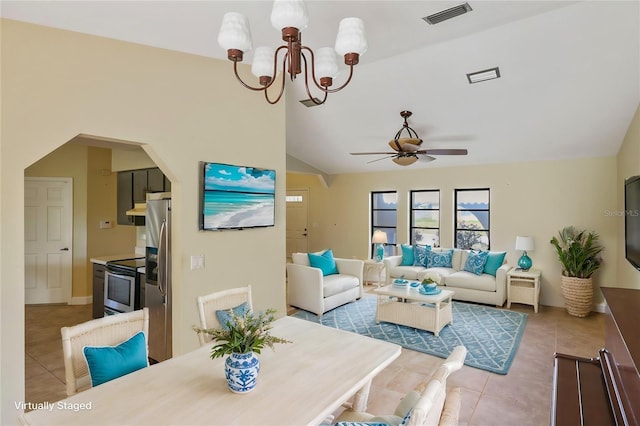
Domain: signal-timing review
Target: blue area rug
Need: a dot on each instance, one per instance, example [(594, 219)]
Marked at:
[(490, 335)]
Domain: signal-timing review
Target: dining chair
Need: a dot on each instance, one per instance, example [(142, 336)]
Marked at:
[(109, 331), (430, 403), (224, 300)]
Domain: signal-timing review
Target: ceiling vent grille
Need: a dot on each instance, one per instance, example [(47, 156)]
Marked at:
[(436, 18)]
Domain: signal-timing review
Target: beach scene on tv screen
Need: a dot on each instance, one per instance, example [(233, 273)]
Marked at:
[(238, 197)]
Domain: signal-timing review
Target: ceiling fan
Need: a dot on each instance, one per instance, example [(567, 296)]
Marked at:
[(407, 149)]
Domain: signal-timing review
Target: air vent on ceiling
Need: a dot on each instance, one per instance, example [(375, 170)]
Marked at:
[(484, 75), (309, 103), (436, 18)]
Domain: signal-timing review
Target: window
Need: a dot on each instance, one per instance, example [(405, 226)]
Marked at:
[(472, 219), (384, 206), (425, 217)]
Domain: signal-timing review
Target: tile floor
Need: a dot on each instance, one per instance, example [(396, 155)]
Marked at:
[(522, 397)]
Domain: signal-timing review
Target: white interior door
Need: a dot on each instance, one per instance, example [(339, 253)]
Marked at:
[(297, 221), (48, 218)]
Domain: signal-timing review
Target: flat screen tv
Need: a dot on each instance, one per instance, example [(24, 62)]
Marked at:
[(236, 197), (632, 221)]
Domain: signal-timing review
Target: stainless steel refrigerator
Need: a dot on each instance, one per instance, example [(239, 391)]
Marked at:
[(158, 275)]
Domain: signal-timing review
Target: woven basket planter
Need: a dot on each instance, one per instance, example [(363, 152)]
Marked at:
[(578, 295)]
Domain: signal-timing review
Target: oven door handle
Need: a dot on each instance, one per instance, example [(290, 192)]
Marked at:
[(162, 258)]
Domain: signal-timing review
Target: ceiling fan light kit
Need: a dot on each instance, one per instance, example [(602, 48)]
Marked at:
[(290, 17), (405, 160), (406, 150)]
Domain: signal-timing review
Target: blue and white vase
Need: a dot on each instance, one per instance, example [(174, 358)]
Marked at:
[(241, 371)]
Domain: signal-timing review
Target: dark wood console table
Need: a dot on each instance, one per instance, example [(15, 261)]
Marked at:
[(604, 390)]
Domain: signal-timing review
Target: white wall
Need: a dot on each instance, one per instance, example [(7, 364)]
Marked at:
[(534, 198), (184, 108)]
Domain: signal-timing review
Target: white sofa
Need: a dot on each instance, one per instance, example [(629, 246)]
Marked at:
[(308, 289), (467, 286)]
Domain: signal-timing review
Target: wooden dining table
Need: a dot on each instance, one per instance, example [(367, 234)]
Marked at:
[(300, 383)]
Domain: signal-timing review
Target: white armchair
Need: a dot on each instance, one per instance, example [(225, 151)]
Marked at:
[(308, 289)]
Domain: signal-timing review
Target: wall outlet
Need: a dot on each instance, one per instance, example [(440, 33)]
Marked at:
[(197, 262)]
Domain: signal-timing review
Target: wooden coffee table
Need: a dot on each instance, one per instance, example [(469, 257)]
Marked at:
[(406, 306)]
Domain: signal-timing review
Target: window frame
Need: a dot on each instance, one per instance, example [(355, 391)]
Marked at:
[(412, 226), (457, 210), (389, 247)]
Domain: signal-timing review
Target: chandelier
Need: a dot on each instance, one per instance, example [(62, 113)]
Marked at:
[(290, 17)]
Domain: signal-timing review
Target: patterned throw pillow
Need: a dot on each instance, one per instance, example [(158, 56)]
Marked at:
[(476, 261), (420, 255), (407, 255), (439, 259)]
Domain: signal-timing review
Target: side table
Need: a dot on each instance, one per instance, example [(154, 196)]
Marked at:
[(523, 287), (371, 265)]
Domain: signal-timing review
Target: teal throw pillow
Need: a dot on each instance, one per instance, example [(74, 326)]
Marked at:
[(325, 262), (225, 317), (420, 255), (494, 261), (110, 362), (407, 255), (439, 259), (476, 261)]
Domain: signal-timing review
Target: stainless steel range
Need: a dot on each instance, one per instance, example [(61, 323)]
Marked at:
[(123, 289)]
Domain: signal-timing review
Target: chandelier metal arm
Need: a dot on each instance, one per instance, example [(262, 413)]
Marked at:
[(313, 74), (257, 89), (275, 65)]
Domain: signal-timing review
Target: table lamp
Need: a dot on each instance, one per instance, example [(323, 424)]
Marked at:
[(379, 239), (524, 244)]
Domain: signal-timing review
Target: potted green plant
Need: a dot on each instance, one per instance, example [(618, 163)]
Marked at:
[(241, 338), (579, 253)]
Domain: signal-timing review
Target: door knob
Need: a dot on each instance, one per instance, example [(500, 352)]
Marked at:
[(64, 249)]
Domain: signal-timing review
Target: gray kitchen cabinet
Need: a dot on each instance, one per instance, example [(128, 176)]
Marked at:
[(133, 186), (98, 290)]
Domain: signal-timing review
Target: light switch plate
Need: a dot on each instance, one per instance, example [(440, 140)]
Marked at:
[(105, 224), (197, 262)]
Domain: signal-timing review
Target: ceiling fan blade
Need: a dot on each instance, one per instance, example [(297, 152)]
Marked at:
[(372, 153), (378, 159), (426, 158), (446, 151)]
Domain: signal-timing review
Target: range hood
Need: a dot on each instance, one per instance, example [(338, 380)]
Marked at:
[(139, 209)]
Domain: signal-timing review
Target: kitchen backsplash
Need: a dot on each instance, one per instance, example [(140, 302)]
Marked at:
[(141, 240)]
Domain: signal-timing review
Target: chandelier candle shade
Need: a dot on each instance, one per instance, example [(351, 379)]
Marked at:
[(379, 239), (290, 17), (524, 244)]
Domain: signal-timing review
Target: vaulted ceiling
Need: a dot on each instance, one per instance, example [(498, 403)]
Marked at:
[(569, 85)]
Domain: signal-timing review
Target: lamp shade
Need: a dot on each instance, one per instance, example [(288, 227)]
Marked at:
[(325, 61), (262, 62), (234, 32), (524, 243), (351, 38), (289, 13), (379, 237)]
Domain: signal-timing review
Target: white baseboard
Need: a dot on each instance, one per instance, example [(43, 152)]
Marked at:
[(84, 300)]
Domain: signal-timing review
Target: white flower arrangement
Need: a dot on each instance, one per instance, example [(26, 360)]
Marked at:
[(432, 277)]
